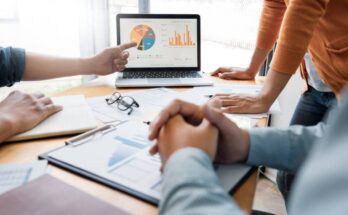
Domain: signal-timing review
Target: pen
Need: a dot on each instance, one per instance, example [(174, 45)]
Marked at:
[(147, 122), (209, 96)]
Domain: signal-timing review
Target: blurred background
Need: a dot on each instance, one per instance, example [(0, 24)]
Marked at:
[(85, 27)]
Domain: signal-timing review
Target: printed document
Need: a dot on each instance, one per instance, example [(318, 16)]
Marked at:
[(122, 156)]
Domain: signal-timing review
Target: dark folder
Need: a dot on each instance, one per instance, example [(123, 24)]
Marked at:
[(48, 195)]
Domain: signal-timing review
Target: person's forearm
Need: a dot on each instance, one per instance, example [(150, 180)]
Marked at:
[(270, 21), (283, 149), (273, 86), (190, 186), (38, 67), (300, 21), (259, 56)]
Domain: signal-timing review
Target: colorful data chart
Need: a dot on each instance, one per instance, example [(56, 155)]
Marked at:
[(144, 36), (181, 40)]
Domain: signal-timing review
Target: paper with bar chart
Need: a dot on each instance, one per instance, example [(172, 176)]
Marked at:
[(161, 42), (121, 156)]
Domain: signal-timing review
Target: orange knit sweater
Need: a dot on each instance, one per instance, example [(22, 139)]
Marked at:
[(319, 26)]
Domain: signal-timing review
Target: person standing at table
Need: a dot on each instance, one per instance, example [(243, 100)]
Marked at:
[(319, 27), (20, 111)]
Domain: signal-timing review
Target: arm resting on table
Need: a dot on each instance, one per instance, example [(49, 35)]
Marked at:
[(190, 186), (283, 149)]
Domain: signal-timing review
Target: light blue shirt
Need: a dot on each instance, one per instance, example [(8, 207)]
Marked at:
[(320, 153), (314, 79)]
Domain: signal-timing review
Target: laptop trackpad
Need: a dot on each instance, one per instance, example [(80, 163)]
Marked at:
[(164, 80)]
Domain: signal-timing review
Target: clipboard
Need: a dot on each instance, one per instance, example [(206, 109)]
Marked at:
[(105, 143)]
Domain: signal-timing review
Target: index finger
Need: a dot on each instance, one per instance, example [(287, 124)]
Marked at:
[(127, 45), (216, 72), (191, 112), (221, 70)]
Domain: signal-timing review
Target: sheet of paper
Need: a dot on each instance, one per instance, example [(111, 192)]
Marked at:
[(242, 121), (151, 102), (14, 175), (75, 117), (122, 156)]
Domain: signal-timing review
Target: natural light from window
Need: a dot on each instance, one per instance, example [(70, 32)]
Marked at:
[(229, 28)]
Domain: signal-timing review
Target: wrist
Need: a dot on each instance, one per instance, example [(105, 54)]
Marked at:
[(265, 100), (252, 70), (7, 128)]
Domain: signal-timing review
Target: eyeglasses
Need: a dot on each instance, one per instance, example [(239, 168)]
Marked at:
[(124, 103)]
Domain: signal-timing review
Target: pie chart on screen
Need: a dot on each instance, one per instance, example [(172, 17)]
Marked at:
[(144, 36)]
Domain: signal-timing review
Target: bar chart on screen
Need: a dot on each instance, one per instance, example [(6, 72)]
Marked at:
[(179, 39)]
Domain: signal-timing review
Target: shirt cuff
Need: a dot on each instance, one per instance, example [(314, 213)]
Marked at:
[(177, 164), (188, 165), (12, 65), (19, 63), (191, 186)]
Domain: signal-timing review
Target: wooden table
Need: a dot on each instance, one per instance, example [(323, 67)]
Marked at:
[(29, 151)]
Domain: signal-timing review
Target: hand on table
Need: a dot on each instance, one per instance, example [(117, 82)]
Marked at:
[(234, 73), (233, 142), (111, 59), (241, 103), (21, 112)]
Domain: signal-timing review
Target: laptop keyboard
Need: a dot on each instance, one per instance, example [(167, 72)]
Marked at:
[(161, 74)]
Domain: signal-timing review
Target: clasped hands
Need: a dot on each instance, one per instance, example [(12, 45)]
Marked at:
[(182, 124)]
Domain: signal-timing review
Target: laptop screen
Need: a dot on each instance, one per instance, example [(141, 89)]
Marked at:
[(171, 41)]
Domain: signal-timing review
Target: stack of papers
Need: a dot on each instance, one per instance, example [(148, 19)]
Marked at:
[(152, 101)]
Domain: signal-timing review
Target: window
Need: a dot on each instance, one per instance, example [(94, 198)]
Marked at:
[(41, 24), (49, 27), (8, 11), (74, 28), (229, 28)]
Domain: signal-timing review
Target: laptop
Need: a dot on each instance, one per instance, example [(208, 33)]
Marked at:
[(168, 51)]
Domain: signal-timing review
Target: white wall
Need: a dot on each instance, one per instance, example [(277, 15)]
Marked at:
[(288, 101)]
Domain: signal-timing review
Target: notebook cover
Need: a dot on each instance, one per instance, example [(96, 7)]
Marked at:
[(76, 117), (48, 195)]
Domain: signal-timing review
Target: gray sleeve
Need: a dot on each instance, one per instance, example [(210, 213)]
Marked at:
[(190, 186), (12, 65), (321, 186), (283, 149)]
